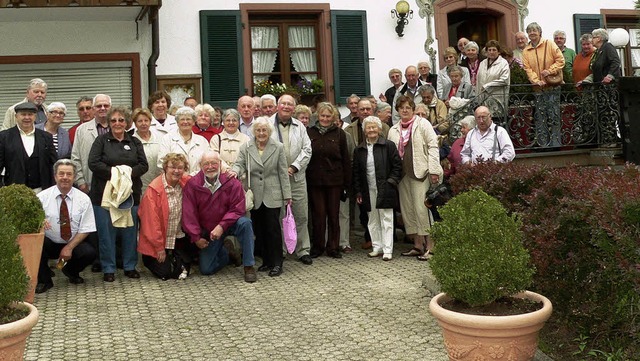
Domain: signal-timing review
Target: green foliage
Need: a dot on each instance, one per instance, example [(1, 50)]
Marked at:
[(14, 281), (479, 256), (22, 208)]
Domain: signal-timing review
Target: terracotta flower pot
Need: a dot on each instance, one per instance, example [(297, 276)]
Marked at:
[(31, 250), (474, 337), (13, 336)]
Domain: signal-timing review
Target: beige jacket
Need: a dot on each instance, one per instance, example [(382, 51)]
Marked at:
[(116, 191), (424, 138)]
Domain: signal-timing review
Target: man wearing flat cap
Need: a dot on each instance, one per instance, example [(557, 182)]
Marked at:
[(27, 154)]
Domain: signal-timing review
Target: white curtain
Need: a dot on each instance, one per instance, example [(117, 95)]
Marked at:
[(263, 37), (303, 60)]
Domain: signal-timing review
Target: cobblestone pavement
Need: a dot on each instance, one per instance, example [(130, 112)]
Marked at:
[(355, 308)]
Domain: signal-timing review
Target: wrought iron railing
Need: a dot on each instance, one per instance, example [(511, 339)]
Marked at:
[(561, 118)]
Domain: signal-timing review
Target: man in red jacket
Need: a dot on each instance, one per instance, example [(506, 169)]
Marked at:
[(213, 207)]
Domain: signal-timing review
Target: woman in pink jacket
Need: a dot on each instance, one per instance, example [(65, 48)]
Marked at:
[(162, 242)]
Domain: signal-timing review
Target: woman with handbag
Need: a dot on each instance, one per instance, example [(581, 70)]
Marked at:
[(264, 162), (162, 243)]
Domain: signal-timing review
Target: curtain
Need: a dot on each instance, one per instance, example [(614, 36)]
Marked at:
[(263, 37), (303, 60)]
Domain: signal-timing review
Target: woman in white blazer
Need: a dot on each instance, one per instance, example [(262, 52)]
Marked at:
[(184, 141)]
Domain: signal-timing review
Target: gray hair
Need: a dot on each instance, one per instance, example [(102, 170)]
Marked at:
[(426, 88), (204, 108), (426, 61), (208, 153), (65, 161), (186, 111), (57, 105), (372, 119), (354, 96), (422, 105), (37, 82), (471, 44), (268, 97), (84, 98), (231, 112), (262, 121), (559, 32), (382, 106), (602, 33), (534, 26), (101, 96), (453, 69), (469, 122), (585, 37)]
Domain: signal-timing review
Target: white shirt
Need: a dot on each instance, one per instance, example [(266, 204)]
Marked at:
[(28, 140), (170, 125), (192, 149), (245, 128), (80, 212), (488, 146)]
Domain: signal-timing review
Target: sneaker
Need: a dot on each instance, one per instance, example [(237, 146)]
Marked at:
[(375, 253), (387, 257), (183, 276)]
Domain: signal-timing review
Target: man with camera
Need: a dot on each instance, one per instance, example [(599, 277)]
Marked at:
[(487, 142)]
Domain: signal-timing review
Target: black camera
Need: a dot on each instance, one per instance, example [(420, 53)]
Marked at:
[(437, 196)]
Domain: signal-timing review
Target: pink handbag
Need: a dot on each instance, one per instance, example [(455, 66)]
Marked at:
[(289, 230)]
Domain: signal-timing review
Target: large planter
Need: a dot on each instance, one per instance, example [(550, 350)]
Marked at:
[(31, 250), (473, 337), (13, 336)]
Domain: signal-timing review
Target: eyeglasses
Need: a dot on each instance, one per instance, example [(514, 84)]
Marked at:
[(57, 113), (119, 120), (84, 109), (176, 168), (106, 106)]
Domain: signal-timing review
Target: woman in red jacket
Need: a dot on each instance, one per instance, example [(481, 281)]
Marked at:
[(162, 242)]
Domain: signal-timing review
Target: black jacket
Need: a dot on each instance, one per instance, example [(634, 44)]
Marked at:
[(107, 152), (12, 157), (388, 173), (606, 62)]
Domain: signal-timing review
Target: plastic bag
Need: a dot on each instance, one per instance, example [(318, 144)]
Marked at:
[(289, 230)]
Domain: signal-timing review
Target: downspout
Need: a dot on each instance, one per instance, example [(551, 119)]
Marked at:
[(155, 49)]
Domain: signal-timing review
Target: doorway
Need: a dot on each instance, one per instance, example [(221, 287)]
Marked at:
[(475, 26)]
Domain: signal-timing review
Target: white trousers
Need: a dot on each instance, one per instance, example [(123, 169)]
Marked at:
[(380, 225)]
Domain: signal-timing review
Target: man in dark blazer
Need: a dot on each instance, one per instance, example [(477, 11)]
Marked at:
[(27, 154)]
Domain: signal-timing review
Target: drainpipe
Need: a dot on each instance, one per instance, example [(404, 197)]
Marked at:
[(155, 49)]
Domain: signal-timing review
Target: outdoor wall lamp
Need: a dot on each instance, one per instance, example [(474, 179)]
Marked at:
[(403, 13)]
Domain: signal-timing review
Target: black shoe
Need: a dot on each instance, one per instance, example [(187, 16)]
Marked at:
[(306, 259), (109, 277), (275, 271), (315, 254), (132, 274), (43, 287), (51, 273), (96, 268), (335, 254), (73, 279), (263, 268)]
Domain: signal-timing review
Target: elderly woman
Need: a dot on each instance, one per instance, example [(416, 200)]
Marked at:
[(162, 122), (117, 158), (162, 242), (606, 66), (425, 76), (418, 148), (265, 161), (142, 120), (55, 117), (455, 159), (205, 115), (184, 140), (436, 109), (582, 62), (328, 178), (377, 170), (540, 59), (472, 61), (228, 142), (450, 60), (384, 112), (494, 77), (303, 114)]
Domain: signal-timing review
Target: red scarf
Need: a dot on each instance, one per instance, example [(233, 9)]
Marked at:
[(403, 140)]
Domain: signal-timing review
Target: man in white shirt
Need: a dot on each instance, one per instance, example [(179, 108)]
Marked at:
[(66, 227), (245, 108), (487, 142)]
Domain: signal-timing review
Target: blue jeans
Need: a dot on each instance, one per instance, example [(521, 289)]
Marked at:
[(107, 241), (214, 257)]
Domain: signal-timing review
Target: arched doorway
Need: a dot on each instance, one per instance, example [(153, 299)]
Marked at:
[(478, 20)]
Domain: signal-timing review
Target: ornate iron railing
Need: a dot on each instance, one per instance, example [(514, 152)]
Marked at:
[(561, 118)]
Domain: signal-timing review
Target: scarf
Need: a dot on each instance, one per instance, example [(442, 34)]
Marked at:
[(404, 141), (322, 129)]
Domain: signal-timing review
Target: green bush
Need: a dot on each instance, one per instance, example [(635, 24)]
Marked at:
[(22, 208), (479, 256), (14, 281)]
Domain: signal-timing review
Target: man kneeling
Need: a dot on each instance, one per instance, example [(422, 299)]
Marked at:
[(213, 207)]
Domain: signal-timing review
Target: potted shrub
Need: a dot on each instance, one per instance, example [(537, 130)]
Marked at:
[(16, 318), (483, 268), (22, 209)]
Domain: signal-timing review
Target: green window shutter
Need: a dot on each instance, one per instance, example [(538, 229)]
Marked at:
[(585, 24), (350, 53), (221, 54)]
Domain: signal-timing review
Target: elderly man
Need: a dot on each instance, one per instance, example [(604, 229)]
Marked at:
[(84, 107), (246, 108), (297, 148), (36, 94), (68, 220), (462, 43), (352, 104), (560, 38), (521, 43), (27, 154), (425, 75), (213, 207), (487, 142), (395, 77), (190, 102), (85, 135), (410, 89), (268, 105)]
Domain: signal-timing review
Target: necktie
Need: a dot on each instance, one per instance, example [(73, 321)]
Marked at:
[(65, 222)]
